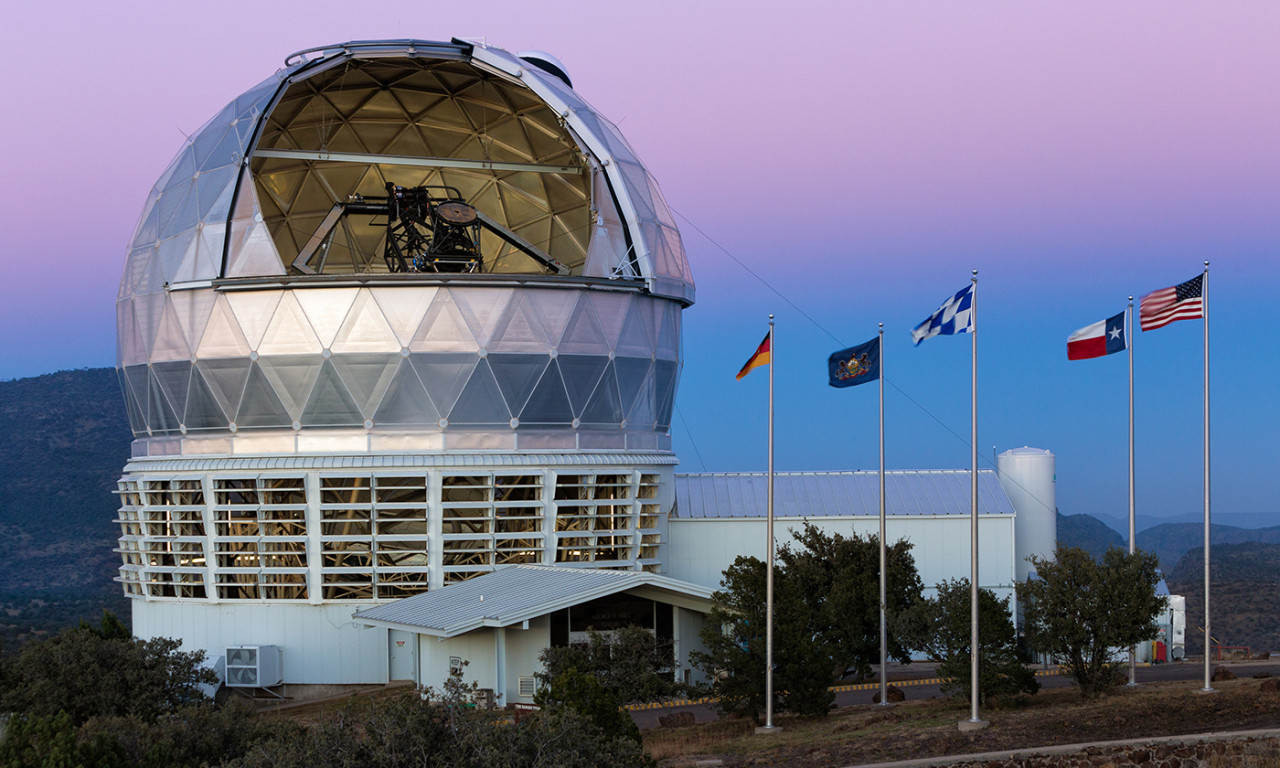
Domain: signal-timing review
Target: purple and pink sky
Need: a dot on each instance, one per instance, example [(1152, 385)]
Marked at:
[(860, 157)]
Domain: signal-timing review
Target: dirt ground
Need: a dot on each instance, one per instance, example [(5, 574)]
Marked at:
[(916, 729)]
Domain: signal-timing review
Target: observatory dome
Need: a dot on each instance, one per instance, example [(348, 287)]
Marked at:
[(402, 314), (397, 234)]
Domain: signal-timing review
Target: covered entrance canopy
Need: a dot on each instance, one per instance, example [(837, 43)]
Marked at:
[(498, 623)]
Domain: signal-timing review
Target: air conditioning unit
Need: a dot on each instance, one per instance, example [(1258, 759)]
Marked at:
[(253, 666)]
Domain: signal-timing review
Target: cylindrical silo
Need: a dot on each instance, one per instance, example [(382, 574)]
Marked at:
[(1028, 477)]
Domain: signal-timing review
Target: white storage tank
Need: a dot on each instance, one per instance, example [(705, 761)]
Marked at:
[(1028, 477)]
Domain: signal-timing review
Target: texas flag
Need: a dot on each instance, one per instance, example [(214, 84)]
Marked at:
[(1101, 338)]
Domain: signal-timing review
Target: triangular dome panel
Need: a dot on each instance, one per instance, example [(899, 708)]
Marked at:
[(203, 410), (549, 403), (255, 255), (444, 376), (404, 309), (632, 373), (519, 330), (643, 413), (147, 310), (226, 379), (326, 309), (253, 310), (174, 378), (330, 403), (483, 308), (365, 329), (292, 377), (192, 309), (213, 192), (136, 268), (222, 335), (177, 256), (552, 311), (130, 347), (406, 400), (149, 230), (517, 375), (669, 339), (444, 329), (160, 415), (137, 379), (605, 407), (612, 309), (367, 377), (289, 332), (583, 333), (481, 401), (633, 340), (664, 376), (260, 407), (581, 374), (137, 419)]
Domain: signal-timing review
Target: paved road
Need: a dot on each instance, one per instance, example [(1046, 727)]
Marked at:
[(919, 681)]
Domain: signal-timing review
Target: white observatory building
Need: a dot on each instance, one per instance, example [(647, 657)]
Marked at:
[(401, 313), (407, 313)]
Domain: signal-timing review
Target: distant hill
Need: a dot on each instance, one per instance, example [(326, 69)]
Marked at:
[(66, 438), (1245, 589), (1088, 533), (1171, 541), (1249, 520)]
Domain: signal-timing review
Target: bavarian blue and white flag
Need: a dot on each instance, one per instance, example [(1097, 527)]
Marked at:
[(954, 316)]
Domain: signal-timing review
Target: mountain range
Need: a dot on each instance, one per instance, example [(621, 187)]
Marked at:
[(66, 439)]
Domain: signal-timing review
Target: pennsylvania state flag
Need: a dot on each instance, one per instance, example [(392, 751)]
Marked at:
[(855, 365)]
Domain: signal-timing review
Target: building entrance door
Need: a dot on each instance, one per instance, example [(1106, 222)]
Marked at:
[(403, 655)]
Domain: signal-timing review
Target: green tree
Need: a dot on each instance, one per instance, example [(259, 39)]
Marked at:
[(583, 693), (631, 662), (838, 578), (194, 735), (941, 627), (1082, 610), (51, 741), (87, 672), (735, 655)]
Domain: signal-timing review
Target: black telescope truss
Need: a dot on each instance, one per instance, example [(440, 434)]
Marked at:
[(429, 229)]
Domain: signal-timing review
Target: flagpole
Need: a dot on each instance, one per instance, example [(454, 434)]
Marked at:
[(768, 643), (884, 632), (1204, 310), (1128, 340), (974, 721)]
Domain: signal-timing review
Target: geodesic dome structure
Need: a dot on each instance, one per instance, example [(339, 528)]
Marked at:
[(257, 294), (402, 314)]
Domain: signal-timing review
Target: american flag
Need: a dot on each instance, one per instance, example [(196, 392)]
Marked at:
[(1184, 301)]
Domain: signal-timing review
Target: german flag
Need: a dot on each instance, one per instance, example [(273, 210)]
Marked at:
[(763, 356)]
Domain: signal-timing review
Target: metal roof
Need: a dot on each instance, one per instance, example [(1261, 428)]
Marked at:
[(518, 593), (477, 461), (832, 494)]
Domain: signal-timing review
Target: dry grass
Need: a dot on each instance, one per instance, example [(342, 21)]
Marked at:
[(864, 734)]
